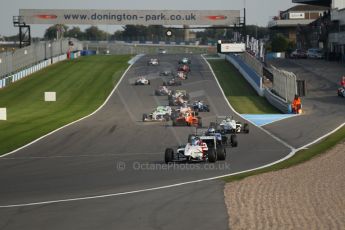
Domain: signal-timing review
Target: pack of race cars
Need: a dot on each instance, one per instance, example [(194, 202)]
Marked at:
[(208, 146)]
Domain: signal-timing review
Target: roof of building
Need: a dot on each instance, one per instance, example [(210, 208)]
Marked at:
[(308, 8), (314, 2)]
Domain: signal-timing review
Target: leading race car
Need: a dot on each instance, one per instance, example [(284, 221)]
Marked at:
[(185, 60), (198, 149), (161, 113), (163, 91), (142, 81), (201, 106), (229, 125), (172, 82), (153, 61)]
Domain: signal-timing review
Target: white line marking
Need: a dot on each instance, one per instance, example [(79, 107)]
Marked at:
[(83, 118), (292, 153)]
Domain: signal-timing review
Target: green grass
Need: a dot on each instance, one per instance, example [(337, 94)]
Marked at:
[(300, 157), (240, 94), (81, 85)]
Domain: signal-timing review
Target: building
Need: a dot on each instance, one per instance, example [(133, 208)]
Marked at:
[(331, 27), (288, 21)]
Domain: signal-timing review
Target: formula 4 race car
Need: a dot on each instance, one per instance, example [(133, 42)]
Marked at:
[(184, 68), (341, 92), (153, 61), (185, 60), (163, 91), (187, 119), (225, 139), (161, 113), (182, 75), (229, 125), (142, 81), (172, 82), (198, 149), (177, 101), (166, 73), (201, 106), (179, 93)]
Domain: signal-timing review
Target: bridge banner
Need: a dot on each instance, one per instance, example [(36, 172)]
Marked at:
[(130, 17)]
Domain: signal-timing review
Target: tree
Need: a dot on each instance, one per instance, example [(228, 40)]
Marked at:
[(52, 32), (279, 43), (75, 32), (94, 34)]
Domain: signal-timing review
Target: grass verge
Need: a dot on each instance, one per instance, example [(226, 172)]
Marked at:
[(300, 157), (81, 85), (240, 94)]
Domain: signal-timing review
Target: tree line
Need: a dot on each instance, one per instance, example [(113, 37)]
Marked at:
[(149, 33)]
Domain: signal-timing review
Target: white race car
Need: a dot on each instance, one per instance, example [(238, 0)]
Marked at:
[(163, 91), (142, 81), (198, 148), (184, 60), (229, 125), (153, 61), (161, 113)]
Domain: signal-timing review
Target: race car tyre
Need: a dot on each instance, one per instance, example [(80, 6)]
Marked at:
[(136, 83), (199, 123), (245, 128), (167, 117), (233, 139), (212, 156), (169, 155), (221, 153), (148, 82), (190, 137), (157, 93), (144, 117)]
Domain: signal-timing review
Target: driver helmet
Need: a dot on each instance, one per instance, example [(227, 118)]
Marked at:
[(211, 130)]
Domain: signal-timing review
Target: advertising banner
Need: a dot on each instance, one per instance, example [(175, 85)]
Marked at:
[(130, 17)]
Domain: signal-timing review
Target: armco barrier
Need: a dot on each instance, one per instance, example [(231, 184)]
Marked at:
[(276, 101), (23, 73), (26, 57), (249, 74)]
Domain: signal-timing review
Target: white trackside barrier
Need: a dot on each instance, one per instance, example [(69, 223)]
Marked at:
[(49, 96), (3, 114)]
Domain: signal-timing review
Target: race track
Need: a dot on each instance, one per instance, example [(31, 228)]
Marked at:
[(112, 152)]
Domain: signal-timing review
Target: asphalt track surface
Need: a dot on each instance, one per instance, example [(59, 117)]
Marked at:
[(113, 152), (323, 109)]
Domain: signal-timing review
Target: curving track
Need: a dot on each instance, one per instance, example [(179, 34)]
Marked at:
[(81, 160)]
